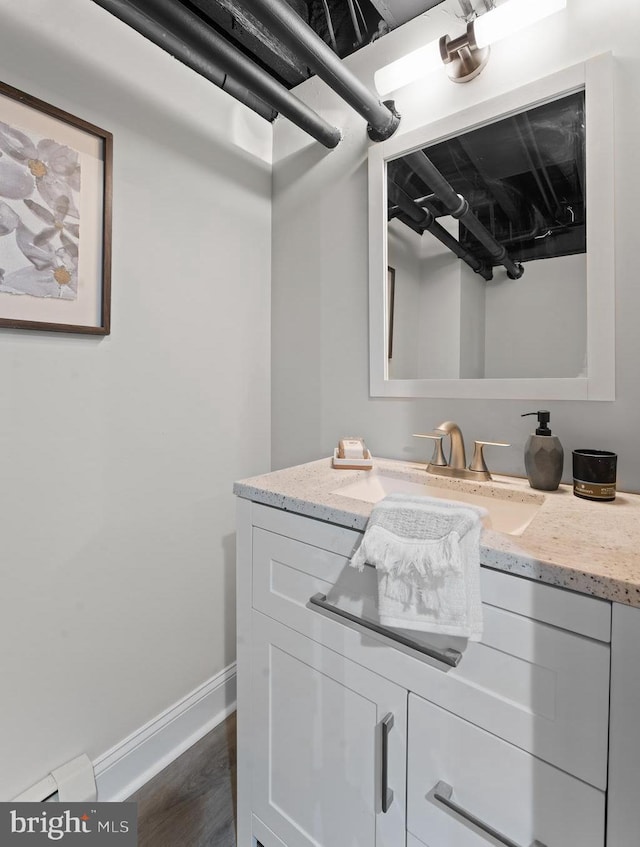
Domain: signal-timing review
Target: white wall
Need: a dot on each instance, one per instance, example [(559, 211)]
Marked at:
[(404, 247), (450, 323), (320, 256), (117, 456), (473, 319), (549, 334), (439, 352)]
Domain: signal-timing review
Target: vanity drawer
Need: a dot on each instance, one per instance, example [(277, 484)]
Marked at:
[(492, 786), (288, 572), (310, 531), (536, 685)]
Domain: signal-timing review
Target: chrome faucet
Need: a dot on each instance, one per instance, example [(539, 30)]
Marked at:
[(457, 464)]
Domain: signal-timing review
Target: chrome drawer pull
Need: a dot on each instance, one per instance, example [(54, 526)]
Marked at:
[(443, 792), (448, 656), (387, 793)]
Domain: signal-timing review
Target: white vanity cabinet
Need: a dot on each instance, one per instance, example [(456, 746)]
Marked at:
[(349, 738)]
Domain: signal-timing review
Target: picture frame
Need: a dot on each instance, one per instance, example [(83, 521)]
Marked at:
[(391, 294), (56, 191)]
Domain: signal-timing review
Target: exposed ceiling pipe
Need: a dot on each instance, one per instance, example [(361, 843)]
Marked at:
[(458, 207), (184, 53), (327, 17), (243, 69), (494, 187), (184, 35), (532, 151), (276, 55), (354, 21), (426, 221), (382, 118)]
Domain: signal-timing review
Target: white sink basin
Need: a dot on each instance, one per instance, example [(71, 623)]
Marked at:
[(510, 516)]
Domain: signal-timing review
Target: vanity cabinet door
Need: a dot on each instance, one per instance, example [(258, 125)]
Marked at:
[(329, 744)]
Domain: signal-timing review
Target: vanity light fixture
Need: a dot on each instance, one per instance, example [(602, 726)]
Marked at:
[(466, 55)]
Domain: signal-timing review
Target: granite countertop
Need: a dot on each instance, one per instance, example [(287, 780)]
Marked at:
[(586, 546)]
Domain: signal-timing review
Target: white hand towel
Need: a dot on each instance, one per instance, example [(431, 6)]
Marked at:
[(426, 552)]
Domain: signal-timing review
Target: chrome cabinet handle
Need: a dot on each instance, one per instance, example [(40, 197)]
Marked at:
[(448, 656), (443, 792), (387, 794)]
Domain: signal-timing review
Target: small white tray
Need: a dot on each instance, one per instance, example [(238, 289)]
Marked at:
[(352, 464)]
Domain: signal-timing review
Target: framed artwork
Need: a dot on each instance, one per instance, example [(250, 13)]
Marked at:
[(55, 218), (391, 293)]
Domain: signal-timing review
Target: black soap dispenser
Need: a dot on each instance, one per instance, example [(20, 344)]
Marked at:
[(543, 455)]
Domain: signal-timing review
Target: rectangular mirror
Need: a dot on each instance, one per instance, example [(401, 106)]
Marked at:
[(522, 306)]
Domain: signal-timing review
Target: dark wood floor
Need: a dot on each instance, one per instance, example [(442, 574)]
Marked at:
[(192, 802)]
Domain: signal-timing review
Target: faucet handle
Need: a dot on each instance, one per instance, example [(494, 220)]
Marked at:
[(478, 464), (438, 458)]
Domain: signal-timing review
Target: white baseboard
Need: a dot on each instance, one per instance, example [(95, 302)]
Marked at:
[(128, 765)]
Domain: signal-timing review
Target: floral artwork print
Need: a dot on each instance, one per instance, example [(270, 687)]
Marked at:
[(39, 215)]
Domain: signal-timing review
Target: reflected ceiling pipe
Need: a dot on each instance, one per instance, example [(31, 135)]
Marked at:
[(426, 221), (406, 204), (531, 150), (185, 36), (466, 55), (458, 207), (427, 200), (279, 17), (406, 220), (431, 204)]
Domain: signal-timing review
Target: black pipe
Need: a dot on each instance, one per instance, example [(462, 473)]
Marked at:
[(401, 199), (279, 17), (530, 150), (426, 221), (396, 214), (406, 220), (432, 204), (192, 42), (185, 54), (190, 27), (458, 207)]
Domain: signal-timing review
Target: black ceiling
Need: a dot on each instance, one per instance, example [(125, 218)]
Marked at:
[(523, 176), (345, 25)]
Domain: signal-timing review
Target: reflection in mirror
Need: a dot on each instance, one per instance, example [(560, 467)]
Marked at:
[(526, 313), (501, 293)]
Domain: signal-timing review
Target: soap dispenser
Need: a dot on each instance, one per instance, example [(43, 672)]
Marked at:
[(543, 455)]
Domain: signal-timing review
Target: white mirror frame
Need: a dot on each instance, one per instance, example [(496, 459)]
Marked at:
[(595, 77)]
